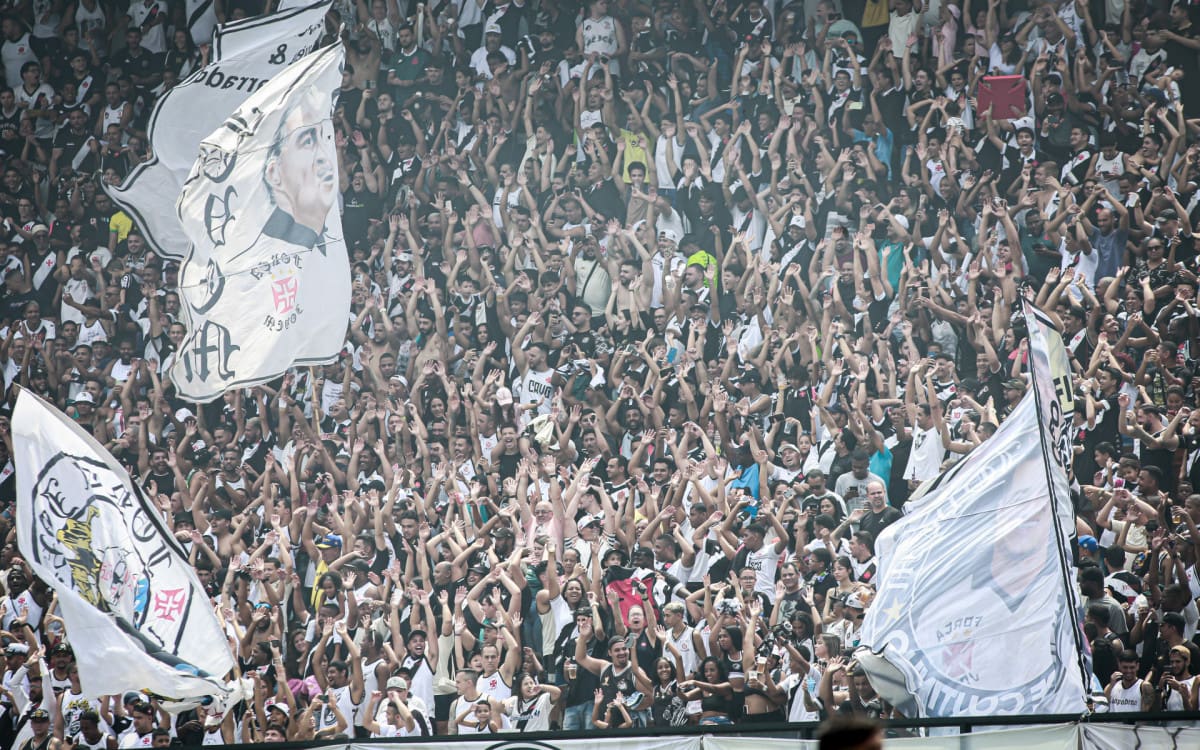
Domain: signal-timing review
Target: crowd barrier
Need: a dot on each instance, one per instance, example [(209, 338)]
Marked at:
[(1096, 732)]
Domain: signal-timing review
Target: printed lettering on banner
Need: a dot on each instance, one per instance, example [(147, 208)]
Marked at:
[(247, 54), (266, 250)]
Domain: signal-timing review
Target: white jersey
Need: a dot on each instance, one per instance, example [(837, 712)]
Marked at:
[(73, 705), (1123, 699), (1108, 170), (494, 685), (201, 20), (534, 386), (600, 36), (925, 461), (45, 19), (80, 742), (14, 55), (89, 20), (666, 178), (764, 562), (385, 31), (1174, 698), (686, 649), (326, 717), (112, 116), (529, 716), (90, 333), (132, 739), (155, 38), (421, 685)]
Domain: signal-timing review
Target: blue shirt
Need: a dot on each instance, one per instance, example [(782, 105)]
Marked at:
[(883, 145)]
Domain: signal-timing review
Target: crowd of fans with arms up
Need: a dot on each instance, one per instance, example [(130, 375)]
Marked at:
[(661, 311)]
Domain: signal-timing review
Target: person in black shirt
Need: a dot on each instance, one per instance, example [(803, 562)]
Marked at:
[(137, 62), (10, 123), (360, 202), (74, 147), (90, 82)]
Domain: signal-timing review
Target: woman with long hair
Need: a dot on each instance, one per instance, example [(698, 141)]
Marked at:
[(714, 693), (529, 709), (843, 573), (670, 706)]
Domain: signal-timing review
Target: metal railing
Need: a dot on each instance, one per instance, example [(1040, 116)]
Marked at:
[(779, 730)]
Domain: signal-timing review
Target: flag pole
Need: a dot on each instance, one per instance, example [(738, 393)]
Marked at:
[(1030, 314)]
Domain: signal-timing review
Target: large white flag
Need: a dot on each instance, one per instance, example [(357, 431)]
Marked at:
[(133, 606), (976, 613), (266, 283), (246, 54)]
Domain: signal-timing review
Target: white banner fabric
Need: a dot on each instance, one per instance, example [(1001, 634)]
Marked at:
[(246, 55), (133, 606), (972, 574), (267, 281)]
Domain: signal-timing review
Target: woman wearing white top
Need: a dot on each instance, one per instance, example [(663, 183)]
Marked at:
[(529, 709)]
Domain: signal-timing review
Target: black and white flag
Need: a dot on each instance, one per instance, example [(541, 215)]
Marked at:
[(246, 54), (266, 283), (134, 609), (977, 613)]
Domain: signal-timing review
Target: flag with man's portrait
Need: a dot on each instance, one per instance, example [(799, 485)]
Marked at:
[(246, 54), (976, 612), (135, 612), (266, 283)]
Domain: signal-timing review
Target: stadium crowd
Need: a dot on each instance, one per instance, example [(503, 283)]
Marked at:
[(661, 311)]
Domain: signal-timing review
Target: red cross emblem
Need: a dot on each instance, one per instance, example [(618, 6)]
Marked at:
[(283, 292), (956, 659), (168, 604)]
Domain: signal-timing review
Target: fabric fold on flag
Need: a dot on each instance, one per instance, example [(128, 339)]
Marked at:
[(124, 585), (266, 283), (247, 54), (977, 613)]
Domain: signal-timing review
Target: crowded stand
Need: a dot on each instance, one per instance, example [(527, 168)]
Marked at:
[(660, 312)]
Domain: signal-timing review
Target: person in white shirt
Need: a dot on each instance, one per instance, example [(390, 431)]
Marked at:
[(529, 710), (754, 552), (398, 720)]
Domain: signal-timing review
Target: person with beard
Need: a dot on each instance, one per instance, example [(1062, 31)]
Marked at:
[(539, 47)]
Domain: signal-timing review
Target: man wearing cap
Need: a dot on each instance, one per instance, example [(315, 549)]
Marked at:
[(1014, 391), (398, 720), (40, 737), (422, 655), (15, 679), (493, 44), (140, 732), (848, 627), (818, 491), (61, 661), (790, 464), (617, 676)]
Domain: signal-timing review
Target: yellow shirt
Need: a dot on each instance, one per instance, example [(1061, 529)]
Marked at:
[(121, 225), (633, 153), (875, 14), (707, 260)]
